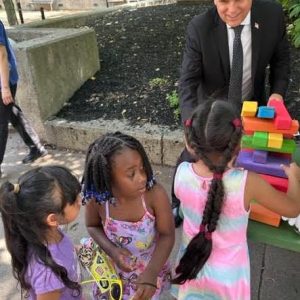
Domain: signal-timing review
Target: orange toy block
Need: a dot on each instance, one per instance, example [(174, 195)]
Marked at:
[(261, 214), (249, 109), (282, 119), (256, 124), (275, 140)]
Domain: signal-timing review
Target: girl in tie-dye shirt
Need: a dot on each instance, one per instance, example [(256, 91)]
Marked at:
[(215, 201)]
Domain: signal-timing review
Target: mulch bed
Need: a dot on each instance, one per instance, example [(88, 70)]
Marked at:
[(141, 51)]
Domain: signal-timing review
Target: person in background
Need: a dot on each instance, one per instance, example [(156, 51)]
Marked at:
[(9, 111), (227, 53)]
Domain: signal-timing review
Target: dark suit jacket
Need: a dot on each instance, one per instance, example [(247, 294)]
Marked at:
[(205, 70)]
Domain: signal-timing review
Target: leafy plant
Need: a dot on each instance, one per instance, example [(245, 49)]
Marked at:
[(173, 100), (158, 82), (292, 8)]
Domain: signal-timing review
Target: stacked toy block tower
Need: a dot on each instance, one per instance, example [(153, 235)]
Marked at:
[(266, 144)]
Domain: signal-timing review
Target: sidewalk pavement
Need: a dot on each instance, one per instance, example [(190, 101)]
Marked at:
[(275, 273)]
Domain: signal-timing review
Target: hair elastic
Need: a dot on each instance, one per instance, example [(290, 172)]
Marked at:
[(16, 188), (202, 228), (218, 176), (208, 235), (237, 123), (188, 122)]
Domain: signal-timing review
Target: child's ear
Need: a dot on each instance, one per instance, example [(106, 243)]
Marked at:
[(52, 220)]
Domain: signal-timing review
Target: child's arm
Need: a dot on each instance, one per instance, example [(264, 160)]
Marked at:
[(55, 295), (287, 205), (160, 204), (94, 227)]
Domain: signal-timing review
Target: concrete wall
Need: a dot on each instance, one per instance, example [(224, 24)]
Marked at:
[(52, 64), (162, 145), (61, 4)]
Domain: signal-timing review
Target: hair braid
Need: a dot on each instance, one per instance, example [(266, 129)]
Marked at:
[(211, 132), (99, 159)]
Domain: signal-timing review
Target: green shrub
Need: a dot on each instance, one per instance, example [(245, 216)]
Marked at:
[(158, 82), (173, 100), (292, 9)]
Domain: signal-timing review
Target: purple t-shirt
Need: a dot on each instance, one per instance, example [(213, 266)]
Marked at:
[(43, 280)]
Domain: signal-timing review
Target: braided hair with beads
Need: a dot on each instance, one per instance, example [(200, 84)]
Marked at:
[(97, 176), (213, 135)]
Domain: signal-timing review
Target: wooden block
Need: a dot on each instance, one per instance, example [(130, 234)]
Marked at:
[(278, 183), (282, 119), (266, 112), (249, 109), (260, 139), (261, 214), (288, 146), (256, 124), (260, 156), (275, 140), (272, 167)]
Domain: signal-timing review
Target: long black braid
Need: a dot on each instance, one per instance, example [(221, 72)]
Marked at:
[(98, 163), (211, 133)]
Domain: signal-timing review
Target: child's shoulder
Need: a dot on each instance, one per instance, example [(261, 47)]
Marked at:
[(156, 192)]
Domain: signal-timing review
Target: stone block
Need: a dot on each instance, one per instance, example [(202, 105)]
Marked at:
[(172, 146), (52, 64)]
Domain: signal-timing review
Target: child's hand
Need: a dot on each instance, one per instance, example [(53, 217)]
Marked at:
[(146, 286), (292, 170), (122, 258)]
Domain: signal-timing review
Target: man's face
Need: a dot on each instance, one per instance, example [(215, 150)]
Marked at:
[(233, 12)]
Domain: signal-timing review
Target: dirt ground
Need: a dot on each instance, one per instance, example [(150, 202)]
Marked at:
[(141, 52)]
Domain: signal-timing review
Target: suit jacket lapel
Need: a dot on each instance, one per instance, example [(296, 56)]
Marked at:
[(256, 30), (222, 42)]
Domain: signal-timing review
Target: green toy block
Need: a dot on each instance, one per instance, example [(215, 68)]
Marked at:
[(260, 139), (288, 146)]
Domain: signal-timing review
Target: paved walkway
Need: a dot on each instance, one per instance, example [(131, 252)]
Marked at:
[(275, 272)]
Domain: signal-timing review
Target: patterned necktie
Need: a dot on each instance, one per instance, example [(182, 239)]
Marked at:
[(236, 75)]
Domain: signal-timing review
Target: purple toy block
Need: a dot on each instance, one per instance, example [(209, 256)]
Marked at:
[(260, 156), (272, 167)]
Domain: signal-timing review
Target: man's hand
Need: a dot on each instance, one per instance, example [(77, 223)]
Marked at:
[(7, 97), (275, 96)]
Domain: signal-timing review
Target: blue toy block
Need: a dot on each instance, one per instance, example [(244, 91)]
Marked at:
[(260, 156), (272, 167), (266, 112)]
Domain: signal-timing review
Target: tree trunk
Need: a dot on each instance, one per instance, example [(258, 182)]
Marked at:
[(10, 12)]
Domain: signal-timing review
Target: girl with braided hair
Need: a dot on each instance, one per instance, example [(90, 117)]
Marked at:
[(133, 223), (215, 200)]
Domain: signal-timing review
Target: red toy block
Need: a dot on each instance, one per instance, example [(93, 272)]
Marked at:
[(282, 118), (278, 183)]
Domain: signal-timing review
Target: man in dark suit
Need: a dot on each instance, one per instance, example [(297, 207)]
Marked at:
[(208, 55)]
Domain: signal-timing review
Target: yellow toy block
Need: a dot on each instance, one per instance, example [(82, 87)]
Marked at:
[(249, 109), (275, 140)]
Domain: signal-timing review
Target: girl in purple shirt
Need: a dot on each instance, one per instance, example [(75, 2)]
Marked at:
[(43, 258)]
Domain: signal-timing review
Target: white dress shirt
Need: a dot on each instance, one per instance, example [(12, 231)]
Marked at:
[(247, 55)]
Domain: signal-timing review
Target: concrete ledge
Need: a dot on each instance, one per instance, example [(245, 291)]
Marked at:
[(52, 64), (72, 21), (162, 145)]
